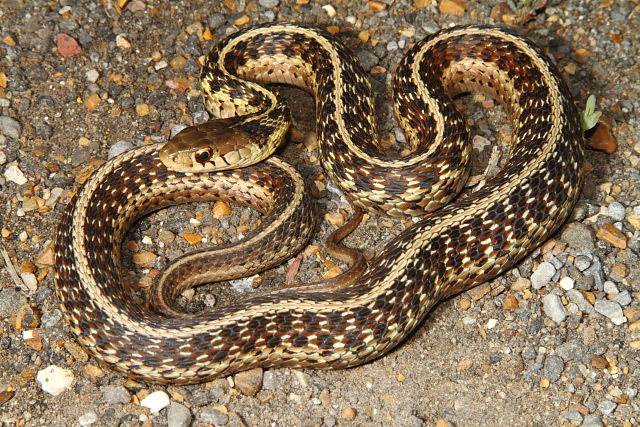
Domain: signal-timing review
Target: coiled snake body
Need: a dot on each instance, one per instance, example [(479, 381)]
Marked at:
[(459, 246)]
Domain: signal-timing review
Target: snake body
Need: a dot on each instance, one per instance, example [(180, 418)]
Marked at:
[(463, 244)]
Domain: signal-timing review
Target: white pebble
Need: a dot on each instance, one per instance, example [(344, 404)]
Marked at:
[(30, 281), (54, 379), (611, 288), (88, 419), (156, 401), (553, 308), (160, 65), (92, 76), (122, 42), (566, 283), (542, 275), (14, 174), (330, 10), (492, 323)]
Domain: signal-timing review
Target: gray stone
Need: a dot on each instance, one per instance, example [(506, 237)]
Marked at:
[(270, 381), (610, 309), (368, 59), (606, 407), (50, 319), (529, 353), (80, 156), (87, 419), (415, 421), (115, 394), (579, 236), (576, 297), (10, 301), (10, 127), (592, 420), (213, 416), (572, 350), (177, 129), (617, 211), (610, 288), (178, 415), (200, 117), (553, 367), (582, 262), (119, 147), (216, 20), (268, 4), (542, 275), (623, 298), (553, 308), (572, 415)]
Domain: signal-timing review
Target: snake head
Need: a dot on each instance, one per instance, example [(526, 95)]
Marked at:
[(211, 146)]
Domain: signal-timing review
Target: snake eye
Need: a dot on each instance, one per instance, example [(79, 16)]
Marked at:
[(204, 155)]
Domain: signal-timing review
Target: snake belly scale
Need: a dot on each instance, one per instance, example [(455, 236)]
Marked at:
[(461, 245)]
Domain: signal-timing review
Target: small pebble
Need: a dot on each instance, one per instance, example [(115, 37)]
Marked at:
[(115, 394), (572, 350), (119, 147), (88, 418), (268, 4), (542, 275), (54, 379), (610, 288), (176, 130), (606, 407), (178, 415), (213, 416), (617, 211), (348, 414), (67, 46), (122, 42), (10, 127), (92, 76), (566, 283), (592, 420), (331, 11), (156, 401), (582, 262), (571, 415), (578, 236), (14, 174), (249, 382), (610, 309), (553, 308), (553, 367), (623, 298)]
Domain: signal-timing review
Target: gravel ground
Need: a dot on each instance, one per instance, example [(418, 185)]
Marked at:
[(552, 342)]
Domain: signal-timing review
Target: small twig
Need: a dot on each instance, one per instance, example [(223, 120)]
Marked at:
[(12, 271)]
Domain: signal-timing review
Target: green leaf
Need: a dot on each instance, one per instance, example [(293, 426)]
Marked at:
[(590, 117)]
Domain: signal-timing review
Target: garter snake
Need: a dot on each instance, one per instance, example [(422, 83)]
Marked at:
[(462, 244)]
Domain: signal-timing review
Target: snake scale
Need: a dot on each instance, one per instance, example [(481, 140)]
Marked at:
[(462, 244)]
